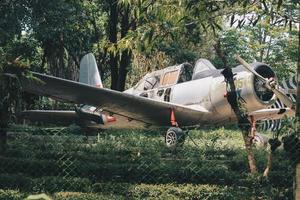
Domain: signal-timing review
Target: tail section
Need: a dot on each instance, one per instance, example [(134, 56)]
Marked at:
[(89, 73)]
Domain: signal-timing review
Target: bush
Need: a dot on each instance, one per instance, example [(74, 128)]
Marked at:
[(124, 159), (53, 184), (11, 195), (170, 191), (28, 166), (84, 196), (13, 181), (44, 184)]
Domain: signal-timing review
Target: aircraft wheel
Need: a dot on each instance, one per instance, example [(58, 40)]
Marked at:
[(174, 137), (260, 140)]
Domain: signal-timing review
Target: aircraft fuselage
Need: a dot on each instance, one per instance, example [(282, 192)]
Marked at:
[(207, 90)]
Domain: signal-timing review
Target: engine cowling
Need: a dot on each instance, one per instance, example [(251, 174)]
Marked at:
[(262, 92), (254, 92)]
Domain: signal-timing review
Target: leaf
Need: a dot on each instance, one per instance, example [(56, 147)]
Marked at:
[(217, 25), (150, 37), (279, 4), (232, 20)]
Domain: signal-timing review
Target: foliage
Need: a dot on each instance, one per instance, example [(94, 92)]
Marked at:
[(131, 38), (136, 164), (53, 36), (11, 195)]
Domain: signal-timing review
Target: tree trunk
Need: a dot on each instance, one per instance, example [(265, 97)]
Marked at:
[(3, 126), (243, 122), (114, 71), (298, 80), (123, 69), (250, 154), (233, 100), (244, 126), (126, 54), (3, 140), (4, 109), (61, 63), (262, 42), (269, 164), (113, 60)]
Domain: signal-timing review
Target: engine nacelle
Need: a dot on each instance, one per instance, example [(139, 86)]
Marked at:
[(248, 87), (254, 92)]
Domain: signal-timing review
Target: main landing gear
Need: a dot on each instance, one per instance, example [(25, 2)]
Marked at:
[(257, 140), (175, 136)]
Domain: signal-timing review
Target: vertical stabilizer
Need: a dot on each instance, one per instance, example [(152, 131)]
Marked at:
[(89, 73)]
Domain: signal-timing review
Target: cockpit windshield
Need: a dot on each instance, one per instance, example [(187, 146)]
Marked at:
[(186, 73), (203, 65), (166, 77), (202, 68)]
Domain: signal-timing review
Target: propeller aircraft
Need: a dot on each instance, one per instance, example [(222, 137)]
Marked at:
[(177, 97)]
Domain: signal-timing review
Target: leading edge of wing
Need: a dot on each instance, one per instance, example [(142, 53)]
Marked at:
[(272, 113), (134, 107)]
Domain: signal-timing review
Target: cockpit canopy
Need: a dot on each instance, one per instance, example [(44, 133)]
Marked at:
[(174, 75), (166, 77), (203, 67)]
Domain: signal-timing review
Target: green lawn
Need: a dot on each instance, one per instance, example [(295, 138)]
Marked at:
[(137, 165)]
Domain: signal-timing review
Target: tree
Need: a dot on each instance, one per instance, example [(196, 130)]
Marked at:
[(263, 43), (10, 28), (298, 80), (147, 27), (66, 32)]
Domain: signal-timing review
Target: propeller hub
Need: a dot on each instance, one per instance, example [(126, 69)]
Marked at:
[(263, 88)]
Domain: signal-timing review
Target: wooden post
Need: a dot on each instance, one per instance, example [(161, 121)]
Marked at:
[(297, 183)]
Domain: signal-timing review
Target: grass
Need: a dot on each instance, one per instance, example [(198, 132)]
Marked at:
[(136, 165)]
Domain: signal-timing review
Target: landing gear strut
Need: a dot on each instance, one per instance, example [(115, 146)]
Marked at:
[(174, 137), (258, 140)]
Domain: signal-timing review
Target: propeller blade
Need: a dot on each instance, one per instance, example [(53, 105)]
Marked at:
[(249, 68), (285, 99), (279, 94)]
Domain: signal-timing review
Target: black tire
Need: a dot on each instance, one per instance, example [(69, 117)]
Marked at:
[(174, 137)]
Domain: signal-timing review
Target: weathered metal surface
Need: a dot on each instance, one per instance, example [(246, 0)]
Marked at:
[(135, 107), (194, 101)]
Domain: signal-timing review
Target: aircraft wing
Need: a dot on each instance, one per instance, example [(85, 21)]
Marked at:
[(272, 113), (133, 107)]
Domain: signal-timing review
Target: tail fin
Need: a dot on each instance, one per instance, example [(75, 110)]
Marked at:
[(89, 73)]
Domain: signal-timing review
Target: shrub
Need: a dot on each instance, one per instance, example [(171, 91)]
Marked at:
[(53, 184), (14, 181), (84, 196), (11, 195)]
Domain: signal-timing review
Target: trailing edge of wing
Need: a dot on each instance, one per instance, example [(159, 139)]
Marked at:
[(134, 107)]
